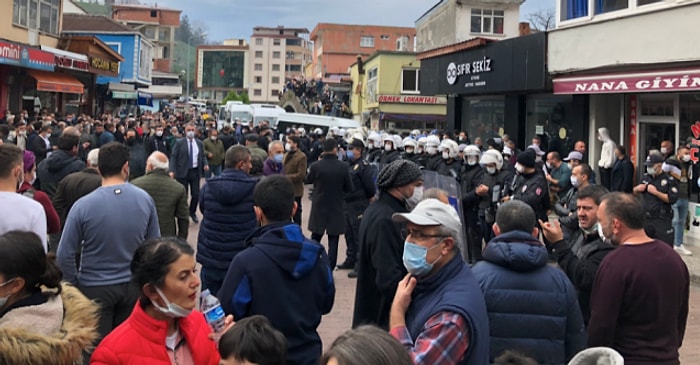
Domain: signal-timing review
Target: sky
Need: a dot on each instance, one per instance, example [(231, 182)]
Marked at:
[(226, 19)]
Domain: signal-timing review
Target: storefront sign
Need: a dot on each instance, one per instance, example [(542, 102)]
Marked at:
[(71, 63), (694, 151), (511, 65), (19, 55), (104, 65), (658, 81), (412, 99)]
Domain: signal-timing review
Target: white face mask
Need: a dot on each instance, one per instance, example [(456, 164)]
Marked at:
[(3, 300), (574, 182), (159, 133), (171, 310), (213, 138), (31, 182), (431, 150), (388, 147), (664, 150), (419, 150), (685, 158), (287, 147), (651, 170), (416, 197), (600, 232), (549, 165), (409, 150), (491, 170), (377, 144), (472, 160), (519, 168), (445, 155)]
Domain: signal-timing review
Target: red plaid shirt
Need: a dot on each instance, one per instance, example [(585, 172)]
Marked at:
[(444, 339)]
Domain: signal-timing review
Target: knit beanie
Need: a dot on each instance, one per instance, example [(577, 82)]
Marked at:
[(527, 158), (398, 173)]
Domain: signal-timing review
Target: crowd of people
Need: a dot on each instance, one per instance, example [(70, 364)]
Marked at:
[(542, 261), (317, 97)]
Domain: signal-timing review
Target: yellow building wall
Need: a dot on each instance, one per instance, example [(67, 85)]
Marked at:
[(19, 34)]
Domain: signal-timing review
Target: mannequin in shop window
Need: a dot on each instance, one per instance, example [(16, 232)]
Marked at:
[(607, 156)]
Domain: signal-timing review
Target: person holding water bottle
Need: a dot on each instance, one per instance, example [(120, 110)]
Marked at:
[(164, 327)]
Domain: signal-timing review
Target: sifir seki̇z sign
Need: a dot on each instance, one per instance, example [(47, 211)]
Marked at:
[(469, 73)]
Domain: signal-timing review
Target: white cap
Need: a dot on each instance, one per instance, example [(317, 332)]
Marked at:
[(594, 354), (431, 212)]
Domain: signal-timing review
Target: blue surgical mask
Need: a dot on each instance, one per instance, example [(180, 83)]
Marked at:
[(171, 310), (278, 157), (350, 155), (414, 259), (3, 300)]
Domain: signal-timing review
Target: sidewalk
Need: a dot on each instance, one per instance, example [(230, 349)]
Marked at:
[(693, 262)]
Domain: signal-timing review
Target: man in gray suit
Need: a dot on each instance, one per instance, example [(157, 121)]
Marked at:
[(188, 165)]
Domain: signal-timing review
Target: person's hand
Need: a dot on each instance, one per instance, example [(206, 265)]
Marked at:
[(206, 167), (505, 199), (228, 323), (651, 189), (172, 175), (402, 298), (551, 231), (482, 190), (640, 188), (210, 155)]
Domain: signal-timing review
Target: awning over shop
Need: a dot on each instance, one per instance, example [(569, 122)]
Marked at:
[(412, 117), (56, 82), (127, 95), (639, 82)]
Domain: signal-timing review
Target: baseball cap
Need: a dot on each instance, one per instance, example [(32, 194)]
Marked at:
[(535, 148), (574, 155), (431, 212), (653, 159)]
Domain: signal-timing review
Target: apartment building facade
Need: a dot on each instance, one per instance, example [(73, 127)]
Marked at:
[(276, 55)]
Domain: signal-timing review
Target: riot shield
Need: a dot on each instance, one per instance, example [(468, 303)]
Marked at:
[(453, 190)]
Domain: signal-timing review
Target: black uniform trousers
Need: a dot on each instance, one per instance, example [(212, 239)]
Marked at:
[(353, 218), (191, 181), (660, 228)]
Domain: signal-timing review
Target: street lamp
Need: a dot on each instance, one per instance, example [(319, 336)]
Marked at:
[(202, 35)]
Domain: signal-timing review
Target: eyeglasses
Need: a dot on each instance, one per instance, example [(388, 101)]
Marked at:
[(418, 235)]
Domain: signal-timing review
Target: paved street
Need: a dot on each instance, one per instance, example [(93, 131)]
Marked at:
[(340, 319)]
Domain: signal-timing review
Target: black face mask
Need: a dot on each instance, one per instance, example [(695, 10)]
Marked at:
[(130, 141)]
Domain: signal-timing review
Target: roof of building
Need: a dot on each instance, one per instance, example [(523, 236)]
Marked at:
[(281, 27), (92, 23), (388, 53), (452, 48), (333, 26), (145, 7)]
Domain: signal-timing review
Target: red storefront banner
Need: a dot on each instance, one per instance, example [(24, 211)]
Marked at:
[(641, 82)]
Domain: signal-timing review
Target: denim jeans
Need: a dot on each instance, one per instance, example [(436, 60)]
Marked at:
[(214, 170), (680, 214)]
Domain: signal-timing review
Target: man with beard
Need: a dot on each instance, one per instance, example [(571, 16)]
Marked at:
[(639, 302)]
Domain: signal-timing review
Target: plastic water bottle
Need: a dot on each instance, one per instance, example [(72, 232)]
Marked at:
[(214, 314)]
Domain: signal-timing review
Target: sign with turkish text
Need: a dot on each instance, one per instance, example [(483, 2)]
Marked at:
[(412, 99), (633, 129), (643, 82), (104, 65), (71, 63), (19, 55)]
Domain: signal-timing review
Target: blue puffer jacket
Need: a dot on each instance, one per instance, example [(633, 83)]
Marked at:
[(532, 306), (226, 201)]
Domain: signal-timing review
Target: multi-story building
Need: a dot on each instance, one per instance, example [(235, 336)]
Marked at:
[(386, 91), (276, 55), (221, 69), (157, 24), (455, 21), (337, 46)]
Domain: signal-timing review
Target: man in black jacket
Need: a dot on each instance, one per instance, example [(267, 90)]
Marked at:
[(61, 163), (380, 265), (157, 142), (622, 175), (581, 255), (331, 180)]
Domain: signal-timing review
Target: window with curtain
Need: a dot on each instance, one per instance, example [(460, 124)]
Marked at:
[(572, 9), (37, 14), (487, 21)]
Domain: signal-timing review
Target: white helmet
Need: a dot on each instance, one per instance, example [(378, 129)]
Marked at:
[(301, 131), (388, 138), (398, 142), (318, 131), (432, 141), (471, 153), (492, 156), (450, 147), (341, 132), (415, 133), (409, 142), (422, 141)]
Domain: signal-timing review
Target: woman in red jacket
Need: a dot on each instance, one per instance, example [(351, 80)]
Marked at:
[(164, 328)]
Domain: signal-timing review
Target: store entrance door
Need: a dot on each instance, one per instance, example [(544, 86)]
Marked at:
[(650, 137)]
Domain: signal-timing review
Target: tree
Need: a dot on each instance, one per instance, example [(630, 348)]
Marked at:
[(542, 20), (234, 96)]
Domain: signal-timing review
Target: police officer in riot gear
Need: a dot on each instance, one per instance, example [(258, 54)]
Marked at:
[(409, 151), (432, 158), (469, 178), (660, 192), (362, 175), (451, 164), (489, 190), (374, 147), (530, 185)]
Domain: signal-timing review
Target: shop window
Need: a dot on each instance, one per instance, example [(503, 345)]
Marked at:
[(275, 67), (276, 54), (258, 67), (551, 118), (657, 106), (257, 92), (258, 41), (372, 85), (409, 81), (689, 114), (275, 80), (258, 54), (483, 116), (367, 41), (487, 21), (37, 14)]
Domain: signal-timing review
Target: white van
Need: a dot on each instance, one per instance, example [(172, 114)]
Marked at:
[(198, 105), (313, 121), (269, 112)]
